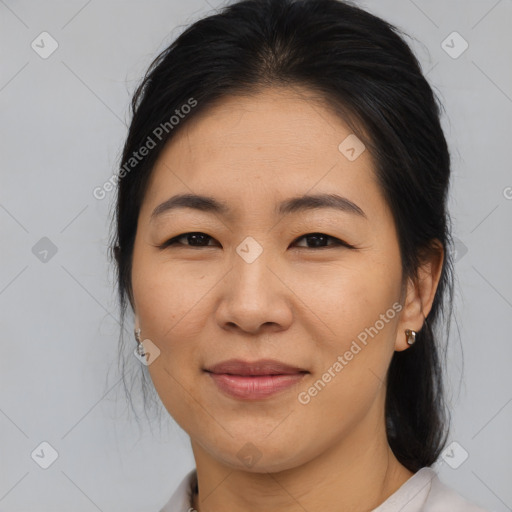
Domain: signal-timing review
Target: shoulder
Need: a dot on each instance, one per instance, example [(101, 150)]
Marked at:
[(180, 501), (442, 498), (423, 492)]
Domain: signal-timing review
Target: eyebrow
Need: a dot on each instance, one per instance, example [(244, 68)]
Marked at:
[(293, 205)]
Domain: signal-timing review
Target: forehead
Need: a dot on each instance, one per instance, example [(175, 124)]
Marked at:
[(274, 144), (276, 123)]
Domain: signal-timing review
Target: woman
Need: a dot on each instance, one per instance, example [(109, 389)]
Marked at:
[(283, 240)]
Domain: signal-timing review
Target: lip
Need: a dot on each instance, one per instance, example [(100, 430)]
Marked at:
[(254, 380), (260, 367)]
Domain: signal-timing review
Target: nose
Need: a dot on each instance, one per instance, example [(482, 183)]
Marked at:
[(254, 297)]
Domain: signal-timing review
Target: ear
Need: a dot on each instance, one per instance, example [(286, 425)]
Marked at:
[(420, 292)]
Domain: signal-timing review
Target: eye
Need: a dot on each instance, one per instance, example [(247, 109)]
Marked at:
[(319, 240), (198, 239)]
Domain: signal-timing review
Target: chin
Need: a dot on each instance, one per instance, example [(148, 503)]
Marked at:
[(263, 456)]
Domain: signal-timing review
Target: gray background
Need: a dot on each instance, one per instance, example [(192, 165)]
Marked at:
[(63, 120)]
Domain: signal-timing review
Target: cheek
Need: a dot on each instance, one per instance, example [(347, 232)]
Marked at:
[(168, 295), (356, 351), (169, 307), (359, 308), (344, 300)]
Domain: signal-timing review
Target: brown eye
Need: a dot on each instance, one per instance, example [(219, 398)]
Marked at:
[(194, 239), (313, 241), (320, 240)]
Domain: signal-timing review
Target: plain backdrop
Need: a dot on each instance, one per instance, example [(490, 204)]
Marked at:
[(63, 120)]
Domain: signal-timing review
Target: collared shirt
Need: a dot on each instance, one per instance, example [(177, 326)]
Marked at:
[(423, 492)]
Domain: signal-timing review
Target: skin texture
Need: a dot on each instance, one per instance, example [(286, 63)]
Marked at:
[(298, 303)]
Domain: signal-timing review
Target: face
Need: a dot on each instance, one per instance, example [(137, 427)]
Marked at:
[(317, 288)]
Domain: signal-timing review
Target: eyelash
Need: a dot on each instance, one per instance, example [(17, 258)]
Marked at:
[(338, 242)]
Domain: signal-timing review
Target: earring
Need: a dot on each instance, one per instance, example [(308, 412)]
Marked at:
[(410, 336), (140, 346)]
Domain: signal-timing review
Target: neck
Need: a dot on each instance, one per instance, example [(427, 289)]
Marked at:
[(356, 474)]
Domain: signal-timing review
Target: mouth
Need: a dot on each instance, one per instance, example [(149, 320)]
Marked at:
[(256, 368), (254, 380)]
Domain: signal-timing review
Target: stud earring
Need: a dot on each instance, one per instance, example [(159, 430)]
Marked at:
[(140, 346), (410, 335)]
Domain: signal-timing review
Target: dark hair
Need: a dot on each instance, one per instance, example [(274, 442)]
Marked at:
[(363, 69)]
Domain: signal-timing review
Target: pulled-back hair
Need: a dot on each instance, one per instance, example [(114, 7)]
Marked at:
[(364, 70)]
